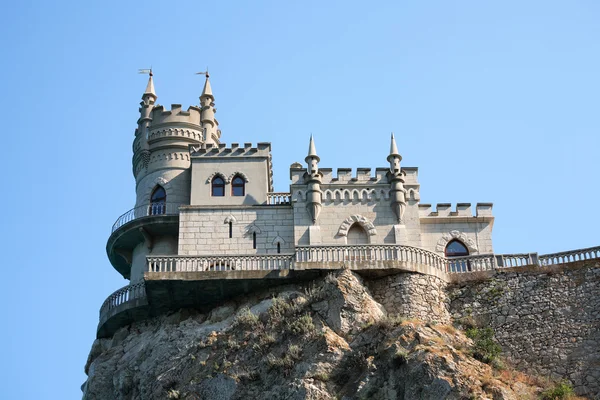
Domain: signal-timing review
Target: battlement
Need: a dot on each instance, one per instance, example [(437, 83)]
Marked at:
[(176, 115), (345, 176), (461, 210), (262, 149)]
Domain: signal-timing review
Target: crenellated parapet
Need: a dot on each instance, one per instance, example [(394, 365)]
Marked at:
[(445, 211), (176, 116), (361, 183), (234, 150)]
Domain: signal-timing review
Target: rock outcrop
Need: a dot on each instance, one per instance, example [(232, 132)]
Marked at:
[(326, 340)]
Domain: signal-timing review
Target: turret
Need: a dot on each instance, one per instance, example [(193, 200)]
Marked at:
[(141, 149), (210, 125), (396, 178), (313, 196)]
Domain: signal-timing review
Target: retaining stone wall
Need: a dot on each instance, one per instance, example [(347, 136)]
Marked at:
[(547, 321), (412, 295)]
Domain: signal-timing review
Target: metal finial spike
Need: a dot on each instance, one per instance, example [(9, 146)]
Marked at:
[(204, 73), (145, 71)]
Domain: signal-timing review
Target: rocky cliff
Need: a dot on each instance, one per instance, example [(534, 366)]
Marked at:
[(328, 339)]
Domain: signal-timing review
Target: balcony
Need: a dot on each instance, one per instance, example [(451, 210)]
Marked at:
[(136, 226), (123, 307)]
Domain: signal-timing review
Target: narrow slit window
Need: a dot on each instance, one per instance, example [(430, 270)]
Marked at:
[(278, 248), (230, 229), (254, 240)]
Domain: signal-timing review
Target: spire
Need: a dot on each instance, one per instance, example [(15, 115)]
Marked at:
[(207, 90), (394, 149), (150, 86), (210, 125), (312, 151)]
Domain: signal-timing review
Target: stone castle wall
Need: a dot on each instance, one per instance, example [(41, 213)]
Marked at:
[(412, 295), (546, 320)]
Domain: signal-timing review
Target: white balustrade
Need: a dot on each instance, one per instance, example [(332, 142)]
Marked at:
[(276, 199), (350, 255), (360, 253), (570, 256), (266, 262)]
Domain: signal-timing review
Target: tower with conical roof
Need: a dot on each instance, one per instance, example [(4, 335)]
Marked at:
[(397, 191), (313, 194)]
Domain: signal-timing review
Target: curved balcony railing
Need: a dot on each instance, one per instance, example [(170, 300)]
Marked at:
[(145, 211), (367, 252), (122, 296)]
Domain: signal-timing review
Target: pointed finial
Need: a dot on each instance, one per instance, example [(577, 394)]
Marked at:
[(207, 90), (393, 146), (150, 85), (393, 149), (312, 151)]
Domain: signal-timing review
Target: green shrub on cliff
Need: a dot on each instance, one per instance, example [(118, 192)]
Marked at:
[(561, 390), (484, 347)]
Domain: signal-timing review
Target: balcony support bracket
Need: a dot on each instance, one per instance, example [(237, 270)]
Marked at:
[(148, 241)]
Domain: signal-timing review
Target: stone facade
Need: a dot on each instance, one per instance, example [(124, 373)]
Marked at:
[(547, 321), (206, 231)]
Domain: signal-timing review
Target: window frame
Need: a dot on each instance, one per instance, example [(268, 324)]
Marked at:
[(214, 185), (464, 254), (236, 183)]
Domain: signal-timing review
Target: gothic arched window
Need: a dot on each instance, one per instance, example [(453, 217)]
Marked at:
[(238, 186), (455, 248), (158, 201), (218, 186)]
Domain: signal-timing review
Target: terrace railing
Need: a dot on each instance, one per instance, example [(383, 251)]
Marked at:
[(145, 211), (254, 262), (362, 253), (276, 199), (354, 255), (570, 256)]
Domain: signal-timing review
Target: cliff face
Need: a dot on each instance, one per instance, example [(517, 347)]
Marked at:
[(326, 340)]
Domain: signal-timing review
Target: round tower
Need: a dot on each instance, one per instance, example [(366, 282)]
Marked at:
[(161, 167)]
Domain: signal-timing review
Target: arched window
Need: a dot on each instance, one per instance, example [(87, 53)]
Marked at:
[(218, 186), (357, 235), (455, 248), (158, 201), (238, 186)]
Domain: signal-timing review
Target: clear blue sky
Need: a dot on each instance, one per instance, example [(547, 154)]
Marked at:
[(494, 102)]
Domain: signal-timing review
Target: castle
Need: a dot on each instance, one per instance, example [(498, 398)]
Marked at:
[(207, 225)]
